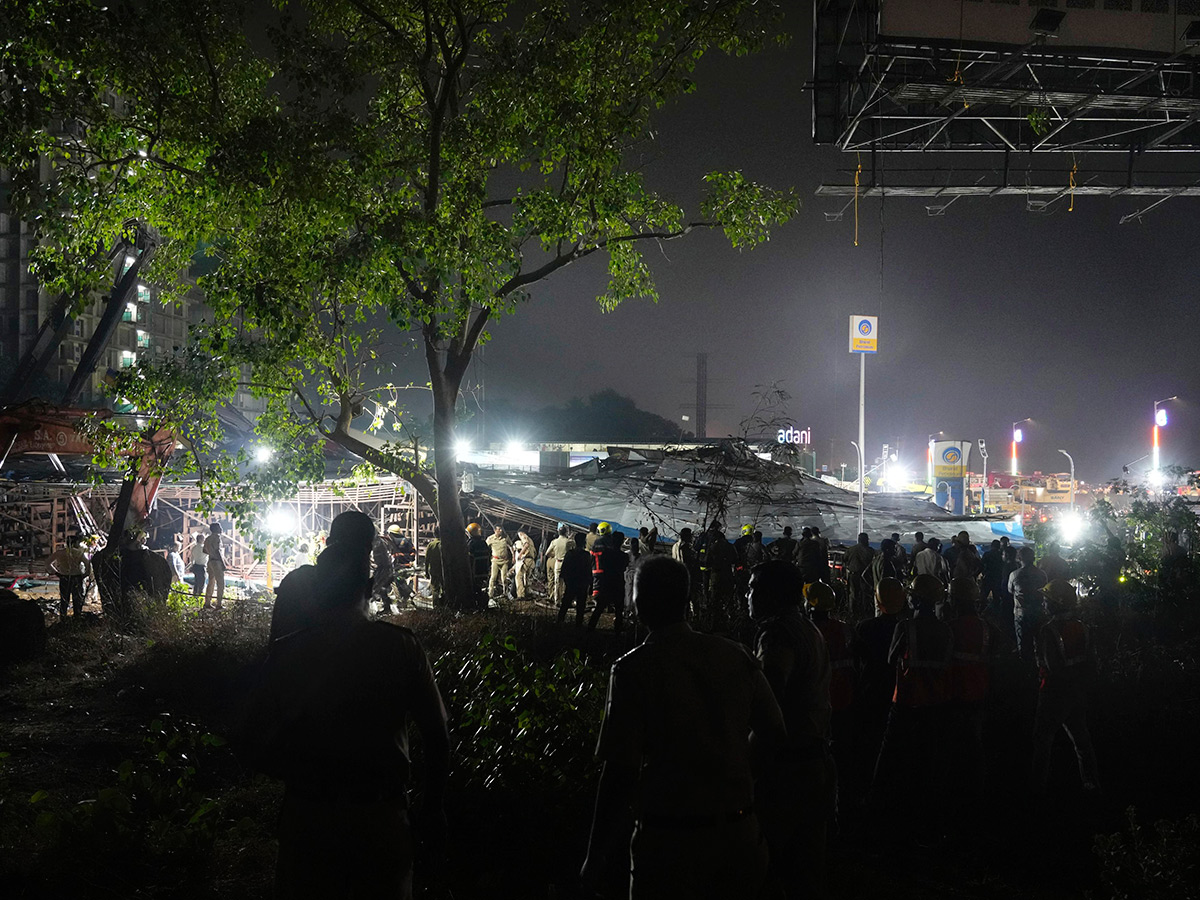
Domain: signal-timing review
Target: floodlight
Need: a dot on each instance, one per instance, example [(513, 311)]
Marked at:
[(281, 520), (515, 447), (1071, 526), (1160, 418), (462, 446), (1046, 22), (263, 453)]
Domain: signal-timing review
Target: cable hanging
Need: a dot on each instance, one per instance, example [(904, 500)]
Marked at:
[(857, 174)]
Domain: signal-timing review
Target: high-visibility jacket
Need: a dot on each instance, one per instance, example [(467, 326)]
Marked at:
[(922, 672), (969, 674), (1064, 651), (839, 639)]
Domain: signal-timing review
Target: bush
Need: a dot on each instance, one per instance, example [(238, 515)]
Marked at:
[(1160, 863)]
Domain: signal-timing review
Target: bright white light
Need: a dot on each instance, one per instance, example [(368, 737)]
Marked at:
[(263, 453), (1157, 477), (1018, 435), (515, 447), (899, 476), (1071, 526), (1160, 418), (461, 447), (281, 520)]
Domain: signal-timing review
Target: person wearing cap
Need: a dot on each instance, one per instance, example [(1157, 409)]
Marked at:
[(1066, 661), (526, 552), (906, 774), (675, 743), (857, 566), (876, 676), (556, 552), (319, 721), (72, 566), (796, 799)]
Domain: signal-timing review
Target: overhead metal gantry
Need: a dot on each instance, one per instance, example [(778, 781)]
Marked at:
[(1039, 119)]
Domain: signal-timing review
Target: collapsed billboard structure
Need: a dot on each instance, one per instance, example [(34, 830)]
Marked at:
[(672, 490)]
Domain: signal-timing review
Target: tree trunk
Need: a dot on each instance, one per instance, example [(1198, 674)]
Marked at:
[(456, 561)]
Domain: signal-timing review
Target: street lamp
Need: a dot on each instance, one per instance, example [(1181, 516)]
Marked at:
[(983, 453), (1072, 462), (1160, 421), (1017, 437)]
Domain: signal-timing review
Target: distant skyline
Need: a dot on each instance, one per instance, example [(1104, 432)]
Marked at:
[(988, 313)]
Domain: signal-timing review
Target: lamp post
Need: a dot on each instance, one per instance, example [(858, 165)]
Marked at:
[(861, 465), (1160, 420), (983, 453), (1072, 462), (1017, 437)]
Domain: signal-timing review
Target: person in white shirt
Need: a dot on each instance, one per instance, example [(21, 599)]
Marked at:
[(198, 563)]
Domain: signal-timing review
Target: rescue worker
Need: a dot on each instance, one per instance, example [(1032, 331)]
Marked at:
[(741, 572), (675, 745), (604, 537), (555, 554), (684, 551), (856, 565), (216, 566), (526, 553), (1066, 662), (318, 721), (907, 775), (481, 556), (502, 558), (876, 676), (970, 677), (593, 535), (886, 563), (198, 564), (784, 548), (384, 575), (73, 568), (575, 579), (796, 800), (433, 567), (608, 579), (1029, 615), (808, 557), (756, 552), (839, 645)]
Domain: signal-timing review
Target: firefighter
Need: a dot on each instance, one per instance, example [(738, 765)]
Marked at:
[(608, 579), (1066, 661)]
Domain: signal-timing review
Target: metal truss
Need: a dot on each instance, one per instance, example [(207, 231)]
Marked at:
[(875, 94)]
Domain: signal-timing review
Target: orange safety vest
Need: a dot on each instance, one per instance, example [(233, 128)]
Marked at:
[(839, 641), (969, 674), (921, 679)]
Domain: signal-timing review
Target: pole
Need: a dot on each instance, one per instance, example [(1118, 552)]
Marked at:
[(862, 417), (1072, 462), (983, 491)]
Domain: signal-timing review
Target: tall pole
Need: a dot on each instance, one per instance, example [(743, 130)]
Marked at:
[(1016, 439), (983, 490), (701, 396), (1072, 462), (862, 420), (1160, 419)]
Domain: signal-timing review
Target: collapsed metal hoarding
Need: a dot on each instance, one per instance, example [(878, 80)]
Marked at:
[(674, 490)]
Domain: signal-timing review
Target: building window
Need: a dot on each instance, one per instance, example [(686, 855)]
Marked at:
[(130, 314), (143, 339), (143, 293), (128, 359)]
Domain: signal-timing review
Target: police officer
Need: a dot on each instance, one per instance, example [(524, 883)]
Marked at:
[(502, 558), (70, 563), (555, 554)]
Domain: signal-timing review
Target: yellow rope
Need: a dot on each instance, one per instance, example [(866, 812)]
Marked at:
[(856, 176), (1074, 169)]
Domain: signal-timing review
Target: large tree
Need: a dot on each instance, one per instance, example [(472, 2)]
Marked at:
[(361, 173)]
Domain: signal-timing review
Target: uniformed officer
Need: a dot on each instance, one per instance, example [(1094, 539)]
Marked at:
[(675, 744), (502, 558), (555, 554)]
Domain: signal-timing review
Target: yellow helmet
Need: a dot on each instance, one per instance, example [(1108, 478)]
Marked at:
[(1061, 595), (747, 529), (605, 528), (820, 596), (473, 529)]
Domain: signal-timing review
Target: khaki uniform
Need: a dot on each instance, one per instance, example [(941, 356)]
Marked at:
[(216, 570), (555, 554), (526, 555), (72, 567), (502, 558), (680, 711)]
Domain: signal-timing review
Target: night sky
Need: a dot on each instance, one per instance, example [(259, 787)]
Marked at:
[(988, 314)]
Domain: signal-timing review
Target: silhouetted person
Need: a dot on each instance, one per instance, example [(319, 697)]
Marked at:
[(808, 557), (332, 712), (675, 744), (856, 565), (784, 548), (876, 676), (684, 551), (71, 565), (1066, 662), (608, 579), (575, 577), (197, 564), (215, 551), (796, 799), (1029, 614)]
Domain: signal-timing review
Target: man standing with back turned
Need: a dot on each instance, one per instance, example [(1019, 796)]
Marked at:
[(675, 744)]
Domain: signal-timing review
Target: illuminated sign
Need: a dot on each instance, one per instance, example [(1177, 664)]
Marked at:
[(864, 334), (792, 435)]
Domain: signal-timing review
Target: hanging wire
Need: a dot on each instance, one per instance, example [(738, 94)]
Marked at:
[(1074, 169), (857, 174)]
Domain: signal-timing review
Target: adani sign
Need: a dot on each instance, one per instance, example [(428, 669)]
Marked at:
[(791, 435)]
